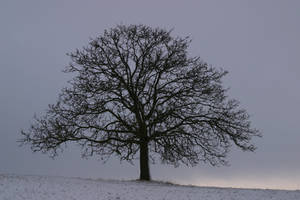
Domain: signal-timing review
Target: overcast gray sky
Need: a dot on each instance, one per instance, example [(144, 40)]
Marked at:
[(257, 41)]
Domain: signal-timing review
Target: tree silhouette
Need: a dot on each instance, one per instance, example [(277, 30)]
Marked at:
[(136, 90)]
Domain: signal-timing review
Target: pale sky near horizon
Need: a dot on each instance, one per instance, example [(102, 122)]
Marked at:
[(257, 41)]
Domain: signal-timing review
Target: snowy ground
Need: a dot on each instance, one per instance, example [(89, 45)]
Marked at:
[(13, 187)]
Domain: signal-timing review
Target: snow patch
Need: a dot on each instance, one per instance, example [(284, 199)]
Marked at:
[(14, 187)]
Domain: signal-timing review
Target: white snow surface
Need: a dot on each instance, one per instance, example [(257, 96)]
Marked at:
[(14, 187)]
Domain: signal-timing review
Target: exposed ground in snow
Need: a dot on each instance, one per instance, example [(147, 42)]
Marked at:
[(14, 187)]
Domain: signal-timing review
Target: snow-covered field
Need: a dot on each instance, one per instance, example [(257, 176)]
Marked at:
[(13, 187)]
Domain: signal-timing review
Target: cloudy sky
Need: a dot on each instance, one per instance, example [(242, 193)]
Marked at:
[(256, 41)]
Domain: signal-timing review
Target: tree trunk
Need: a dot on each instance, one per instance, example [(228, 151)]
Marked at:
[(144, 162)]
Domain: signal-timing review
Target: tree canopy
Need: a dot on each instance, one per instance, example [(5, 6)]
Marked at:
[(136, 89)]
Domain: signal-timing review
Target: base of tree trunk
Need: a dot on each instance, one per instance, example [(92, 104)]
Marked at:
[(144, 163), (145, 179)]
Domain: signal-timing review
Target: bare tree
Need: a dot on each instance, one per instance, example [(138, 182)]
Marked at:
[(136, 90)]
